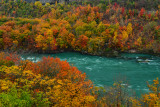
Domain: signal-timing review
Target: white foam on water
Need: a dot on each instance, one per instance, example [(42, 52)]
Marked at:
[(22, 58), (36, 60), (100, 85), (130, 86), (153, 63), (124, 84), (89, 68), (97, 60), (120, 63), (145, 89), (30, 58)]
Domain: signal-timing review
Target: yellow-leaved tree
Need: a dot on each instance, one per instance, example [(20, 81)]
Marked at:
[(153, 98)]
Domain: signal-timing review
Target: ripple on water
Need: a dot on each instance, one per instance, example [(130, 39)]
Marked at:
[(100, 85), (130, 86), (153, 63), (97, 60), (88, 68)]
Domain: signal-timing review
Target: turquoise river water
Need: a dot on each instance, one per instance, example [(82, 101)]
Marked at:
[(135, 69)]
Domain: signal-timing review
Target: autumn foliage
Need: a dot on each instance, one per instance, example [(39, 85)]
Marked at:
[(52, 82), (84, 28), (60, 83), (95, 28)]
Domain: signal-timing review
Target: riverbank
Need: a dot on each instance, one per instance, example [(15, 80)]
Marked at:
[(112, 53)]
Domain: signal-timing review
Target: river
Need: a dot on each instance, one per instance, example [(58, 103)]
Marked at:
[(135, 69)]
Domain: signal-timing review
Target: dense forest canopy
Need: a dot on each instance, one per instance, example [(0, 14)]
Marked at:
[(85, 28), (99, 27)]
